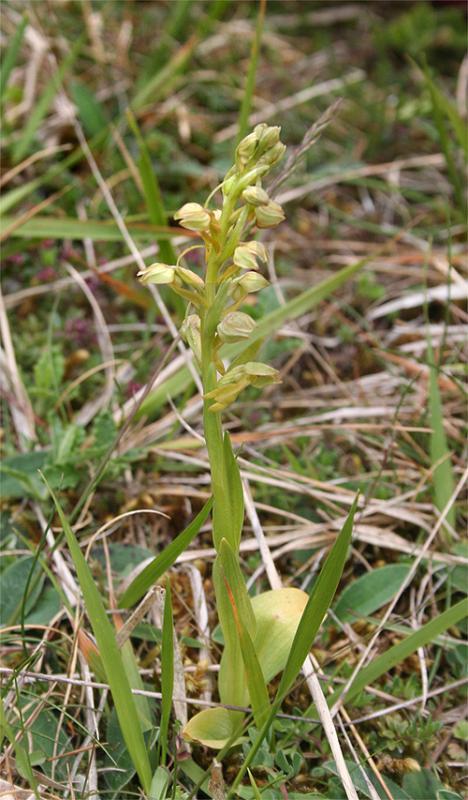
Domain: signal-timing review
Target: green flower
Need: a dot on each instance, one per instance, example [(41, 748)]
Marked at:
[(157, 273), (235, 326), (194, 217)]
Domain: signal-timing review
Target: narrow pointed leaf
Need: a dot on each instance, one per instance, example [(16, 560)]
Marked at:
[(48, 227), (167, 672), (11, 55), (154, 202), (110, 655), (318, 604), (442, 476), (396, 654), (164, 560), (243, 621), (236, 494), (42, 105), (231, 680)]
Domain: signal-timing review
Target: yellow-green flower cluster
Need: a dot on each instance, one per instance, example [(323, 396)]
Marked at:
[(232, 268)]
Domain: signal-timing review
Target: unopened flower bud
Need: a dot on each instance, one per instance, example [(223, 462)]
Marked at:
[(229, 184), (261, 374), (194, 217), (157, 273), (235, 326), (274, 155), (246, 254), (249, 282), (246, 149), (190, 277), (190, 331), (253, 373), (225, 395), (269, 136), (270, 215), (255, 196)]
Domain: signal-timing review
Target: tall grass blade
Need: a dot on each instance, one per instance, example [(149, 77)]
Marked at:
[(396, 654), (160, 84), (449, 110), (303, 302), (11, 55), (256, 792), (90, 110), (164, 560), (110, 655), (318, 604), (43, 227), (215, 11), (249, 89), (23, 762), (167, 672), (154, 201), (442, 476), (134, 678), (179, 17), (439, 111), (42, 106)]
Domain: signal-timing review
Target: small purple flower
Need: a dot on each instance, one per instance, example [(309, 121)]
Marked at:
[(68, 251), (16, 258), (132, 388), (80, 331), (46, 274), (93, 283)]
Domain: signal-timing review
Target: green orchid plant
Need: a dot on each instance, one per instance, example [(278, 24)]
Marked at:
[(258, 632)]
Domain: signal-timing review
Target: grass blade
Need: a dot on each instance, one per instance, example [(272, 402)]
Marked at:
[(382, 664), (303, 302), (442, 476), (160, 84), (154, 201), (90, 111), (134, 678), (164, 560), (167, 672), (449, 110), (318, 604), (179, 17), (43, 227), (23, 763), (110, 655), (246, 105), (439, 112), (9, 59), (42, 106)]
